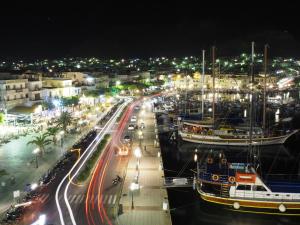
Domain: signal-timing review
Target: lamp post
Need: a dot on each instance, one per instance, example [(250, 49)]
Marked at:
[(61, 140), (140, 133), (133, 186), (138, 155), (35, 152)]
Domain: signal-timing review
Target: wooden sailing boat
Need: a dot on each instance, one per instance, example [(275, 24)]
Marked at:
[(205, 132)]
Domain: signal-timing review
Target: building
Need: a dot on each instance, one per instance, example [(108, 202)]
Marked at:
[(58, 87), (79, 78), (222, 82), (14, 92)]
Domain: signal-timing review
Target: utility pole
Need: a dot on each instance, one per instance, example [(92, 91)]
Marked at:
[(213, 77)]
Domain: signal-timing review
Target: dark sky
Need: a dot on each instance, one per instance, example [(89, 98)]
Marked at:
[(147, 29)]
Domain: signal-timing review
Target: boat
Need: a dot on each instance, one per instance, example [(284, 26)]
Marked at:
[(240, 187), (205, 131)]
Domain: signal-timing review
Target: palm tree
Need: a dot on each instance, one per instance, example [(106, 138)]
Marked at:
[(64, 120), (52, 131), (41, 142)]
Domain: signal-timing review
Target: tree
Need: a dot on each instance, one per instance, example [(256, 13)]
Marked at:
[(69, 101), (64, 120), (2, 118), (47, 104), (41, 142), (52, 131)]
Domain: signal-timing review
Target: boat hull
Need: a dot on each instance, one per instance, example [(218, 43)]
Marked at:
[(216, 140), (254, 206)]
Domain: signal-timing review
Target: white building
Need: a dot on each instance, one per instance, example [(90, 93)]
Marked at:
[(13, 92), (59, 87), (79, 78)]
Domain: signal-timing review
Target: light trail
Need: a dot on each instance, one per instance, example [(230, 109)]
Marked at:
[(88, 151)]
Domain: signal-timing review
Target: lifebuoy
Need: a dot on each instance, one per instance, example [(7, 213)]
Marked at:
[(215, 177), (231, 179), (210, 160)]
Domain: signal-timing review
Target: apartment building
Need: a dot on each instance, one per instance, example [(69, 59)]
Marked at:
[(54, 87)]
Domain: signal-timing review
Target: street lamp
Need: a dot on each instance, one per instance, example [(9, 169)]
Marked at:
[(61, 140), (35, 152), (140, 133), (133, 186), (138, 155)]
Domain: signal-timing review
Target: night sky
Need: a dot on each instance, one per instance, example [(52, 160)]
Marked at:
[(143, 30)]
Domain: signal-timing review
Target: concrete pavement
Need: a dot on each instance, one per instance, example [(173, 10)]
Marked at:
[(17, 160), (149, 198)]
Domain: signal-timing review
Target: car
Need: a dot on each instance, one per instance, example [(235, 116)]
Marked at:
[(130, 127), (127, 138), (142, 126), (133, 119)]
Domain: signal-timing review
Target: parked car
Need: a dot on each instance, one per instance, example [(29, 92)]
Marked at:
[(131, 127), (133, 119), (127, 138)]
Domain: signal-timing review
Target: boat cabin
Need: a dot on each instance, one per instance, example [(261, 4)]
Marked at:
[(249, 185)]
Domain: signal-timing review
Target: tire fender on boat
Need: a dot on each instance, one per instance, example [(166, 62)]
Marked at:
[(215, 177), (210, 160), (236, 205), (282, 208), (231, 179), (223, 161)]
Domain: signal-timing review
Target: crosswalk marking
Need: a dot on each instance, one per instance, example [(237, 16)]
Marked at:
[(115, 198), (105, 198), (73, 198), (44, 198), (79, 198), (110, 197)]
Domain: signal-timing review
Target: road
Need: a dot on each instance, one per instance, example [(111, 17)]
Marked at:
[(67, 191), (56, 200), (102, 195)]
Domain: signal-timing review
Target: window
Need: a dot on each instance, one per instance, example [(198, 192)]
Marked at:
[(244, 187), (258, 188)]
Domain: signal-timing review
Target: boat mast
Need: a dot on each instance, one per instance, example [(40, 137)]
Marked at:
[(265, 84), (213, 77), (251, 94), (202, 81)]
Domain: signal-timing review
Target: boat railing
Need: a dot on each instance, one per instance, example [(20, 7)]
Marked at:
[(211, 177), (265, 195)]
